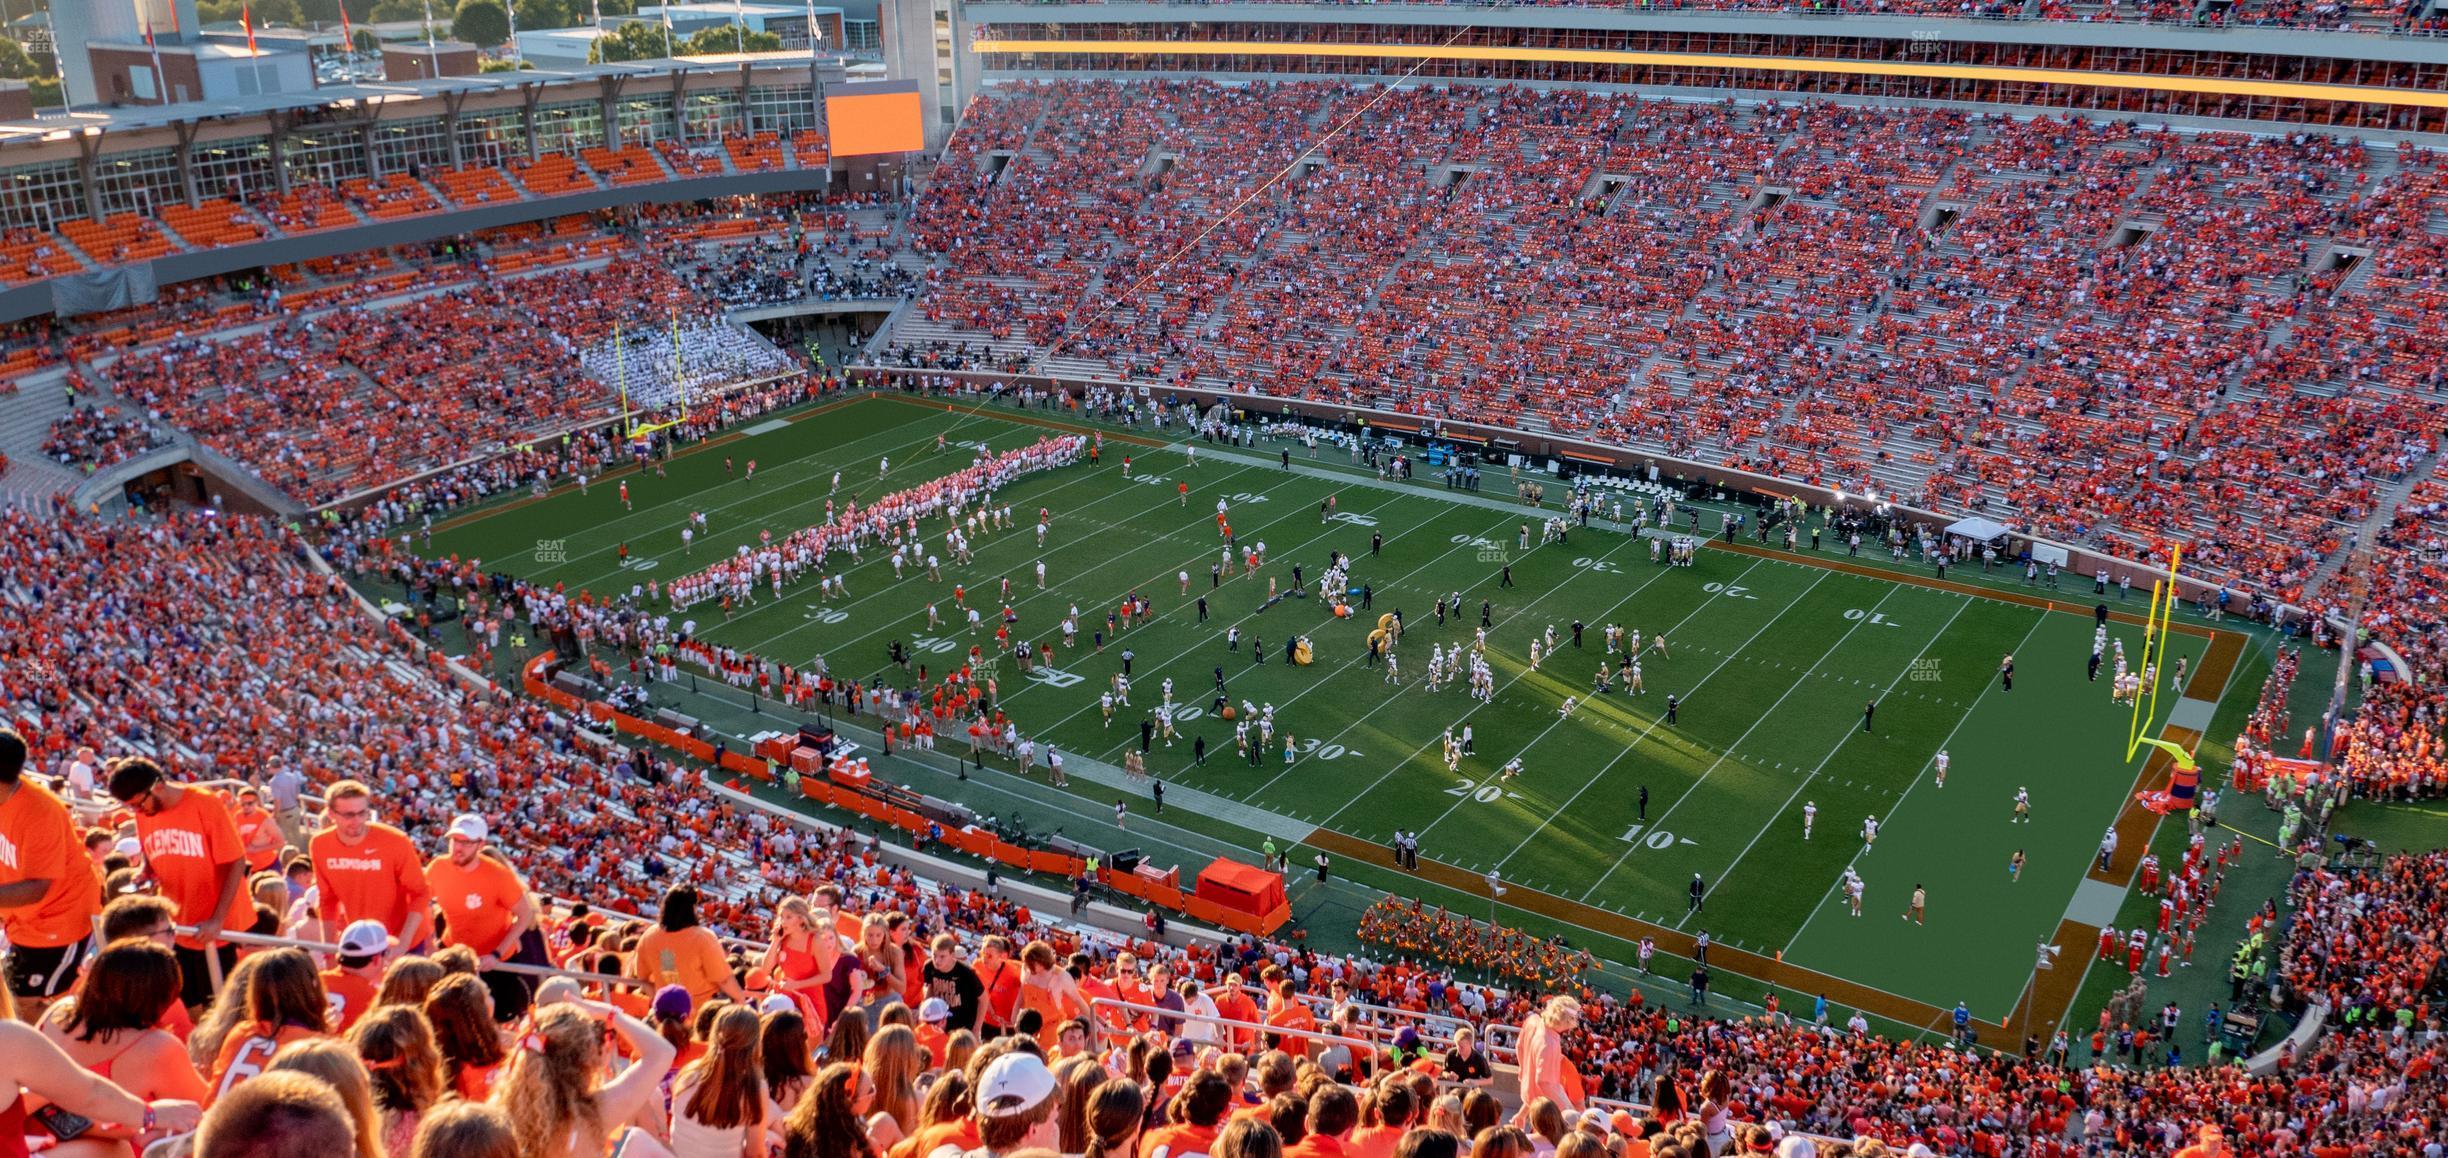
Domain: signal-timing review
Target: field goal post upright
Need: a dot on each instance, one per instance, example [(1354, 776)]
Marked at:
[(2185, 778)]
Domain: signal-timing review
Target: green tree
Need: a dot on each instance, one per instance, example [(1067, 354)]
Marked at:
[(286, 12), (729, 38), (534, 14), (633, 40), (15, 64), (489, 64), (392, 11), (483, 23)]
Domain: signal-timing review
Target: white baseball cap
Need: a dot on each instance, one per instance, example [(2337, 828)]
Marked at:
[(934, 1009), (468, 826), (365, 939), (1013, 1084)]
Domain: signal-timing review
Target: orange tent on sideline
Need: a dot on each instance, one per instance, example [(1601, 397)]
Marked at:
[(1242, 888)]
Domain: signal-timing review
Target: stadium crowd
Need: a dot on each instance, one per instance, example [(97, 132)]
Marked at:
[(2388, 16), (1778, 292), (448, 763), (135, 664)]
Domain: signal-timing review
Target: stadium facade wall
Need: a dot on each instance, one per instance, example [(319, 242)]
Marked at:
[(1913, 29)]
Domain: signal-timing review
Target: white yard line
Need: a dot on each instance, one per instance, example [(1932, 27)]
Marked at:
[(953, 623), (1218, 630), (1535, 601), (1898, 806), (783, 472), (1813, 774), (1731, 655), (1476, 705)]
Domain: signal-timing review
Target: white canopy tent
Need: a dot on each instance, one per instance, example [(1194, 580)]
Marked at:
[(1979, 529)]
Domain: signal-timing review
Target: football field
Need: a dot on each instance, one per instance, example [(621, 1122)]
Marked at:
[(1772, 655)]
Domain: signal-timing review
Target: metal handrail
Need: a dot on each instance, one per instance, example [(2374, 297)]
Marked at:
[(265, 941), (1433, 1027), (1115, 1003)]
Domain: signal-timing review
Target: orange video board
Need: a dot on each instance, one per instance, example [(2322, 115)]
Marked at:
[(863, 120)]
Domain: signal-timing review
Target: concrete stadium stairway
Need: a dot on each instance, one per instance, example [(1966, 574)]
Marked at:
[(25, 421)]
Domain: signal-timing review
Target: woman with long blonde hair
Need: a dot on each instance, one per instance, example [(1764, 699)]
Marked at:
[(894, 1062), (553, 1087), (795, 962), (333, 1061), (718, 1102), (879, 956)]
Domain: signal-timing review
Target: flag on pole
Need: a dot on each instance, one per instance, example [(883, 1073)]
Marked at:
[(739, 25), (246, 17), (161, 82), (174, 20), (814, 37), (667, 31), (347, 36)]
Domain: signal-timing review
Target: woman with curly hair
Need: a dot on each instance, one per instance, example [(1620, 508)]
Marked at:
[(553, 1086)]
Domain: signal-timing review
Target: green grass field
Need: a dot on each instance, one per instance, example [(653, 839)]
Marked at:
[(1773, 659)]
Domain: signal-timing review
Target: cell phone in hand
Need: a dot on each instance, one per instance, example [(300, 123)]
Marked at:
[(65, 1125)]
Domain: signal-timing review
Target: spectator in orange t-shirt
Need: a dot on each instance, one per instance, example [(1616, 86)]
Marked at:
[(1285, 1010), (1000, 975), (679, 951), (932, 1014), (257, 830), (365, 871), (48, 891), (356, 977), (1233, 1003), (485, 907), (191, 848), (1049, 989)]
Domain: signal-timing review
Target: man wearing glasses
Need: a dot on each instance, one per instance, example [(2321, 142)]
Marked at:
[(191, 849), (366, 871)]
